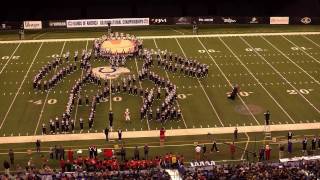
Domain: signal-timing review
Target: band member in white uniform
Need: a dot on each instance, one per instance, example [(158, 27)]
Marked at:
[(127, 115)]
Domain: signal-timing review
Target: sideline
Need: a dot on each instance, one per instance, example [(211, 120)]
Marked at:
[(156, 133), (168, 37)]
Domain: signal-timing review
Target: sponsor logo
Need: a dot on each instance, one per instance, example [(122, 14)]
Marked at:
[(279, 20), (306, 20), (105, 22), (254, 20), (32, 25), (205, 19), (183, 20), (57, 24), (159, 21), (202, 163), (229, 20)]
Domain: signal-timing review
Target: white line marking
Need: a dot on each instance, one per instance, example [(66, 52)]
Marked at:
[(257, 80), (25, 76), (135, 60), (246, 147), (291, 60), (301, 49), (245, 105), (213, 108), (45, 100), (168, 37), (39, 35), (184, 122), (281, 75), (177, 31), (311, 41), (5, 65)]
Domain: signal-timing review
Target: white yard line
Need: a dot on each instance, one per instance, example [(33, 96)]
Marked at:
[(257, 80), (291, 60), (39, 35), (213, 108), (247, 143), (311, 41), (177, 31), (77, 106), (184, 122), (45, 100), (135, 60), (280, 75), (155, 133), (169, 37), (5, 65), (24, 78), (301, 49), (245, 105)]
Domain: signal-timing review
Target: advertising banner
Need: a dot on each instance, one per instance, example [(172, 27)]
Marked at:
[(204, 20), (182, 20), (104, 22), (32, 24), (305, 20), (256, 20), (57, 24), (279, 20), (161, 21), (229, 20)]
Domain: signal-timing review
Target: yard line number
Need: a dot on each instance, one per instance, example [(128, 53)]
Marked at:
[(298, 48), (202, 51), (49, 101), (302, 91), (255, 49), (8, 57), (241, 93)]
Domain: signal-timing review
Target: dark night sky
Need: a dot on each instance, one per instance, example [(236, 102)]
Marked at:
[(76, 9)]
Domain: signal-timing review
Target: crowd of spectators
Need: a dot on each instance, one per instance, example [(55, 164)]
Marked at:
[(290, 170)]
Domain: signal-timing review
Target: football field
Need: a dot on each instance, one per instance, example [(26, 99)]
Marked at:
[(279, 73)]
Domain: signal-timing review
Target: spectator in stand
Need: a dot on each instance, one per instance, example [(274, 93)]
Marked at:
[(6, 167), (38, 145), (197, 152), (11, 156), (232, 149), (62, 165), (136, 153), (318, 142), (146, 151), (119, 134)]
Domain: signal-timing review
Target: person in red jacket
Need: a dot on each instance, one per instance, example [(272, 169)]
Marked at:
[(63, 165), (70, 155), (268, 152)]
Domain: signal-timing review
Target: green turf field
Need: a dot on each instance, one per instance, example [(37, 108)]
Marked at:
[(275, 73)]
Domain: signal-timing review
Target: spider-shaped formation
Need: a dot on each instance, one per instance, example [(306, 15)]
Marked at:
[(166, 111)]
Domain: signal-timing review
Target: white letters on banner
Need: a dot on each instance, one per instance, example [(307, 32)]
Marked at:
[(202, 163), (279, 20), (32, 24), (104, 22)]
